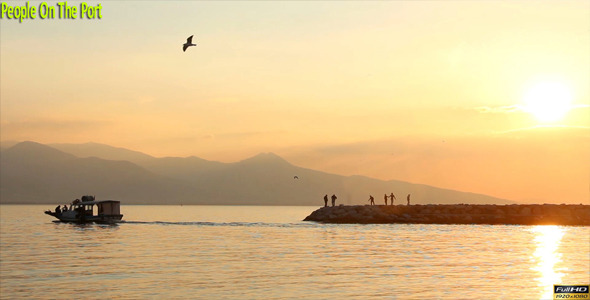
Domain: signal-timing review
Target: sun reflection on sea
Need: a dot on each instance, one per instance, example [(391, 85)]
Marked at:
[(547, 241)]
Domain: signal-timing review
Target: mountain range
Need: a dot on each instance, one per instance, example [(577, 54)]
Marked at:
[(31, 172)]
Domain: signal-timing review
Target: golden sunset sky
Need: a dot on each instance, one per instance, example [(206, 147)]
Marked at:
[(489, 97)]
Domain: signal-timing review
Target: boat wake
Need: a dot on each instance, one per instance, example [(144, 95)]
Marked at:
[(220, 224)]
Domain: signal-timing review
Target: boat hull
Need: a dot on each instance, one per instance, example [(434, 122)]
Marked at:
[(73, 218)]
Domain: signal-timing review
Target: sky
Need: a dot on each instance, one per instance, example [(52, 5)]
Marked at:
[(488, 97)]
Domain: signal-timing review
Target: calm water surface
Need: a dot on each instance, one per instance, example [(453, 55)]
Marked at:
[(261, 252)]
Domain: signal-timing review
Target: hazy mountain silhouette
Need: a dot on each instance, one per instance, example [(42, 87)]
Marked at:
[(175, 167), (102, 151), (36, 173), (182, 168), (7, 144)]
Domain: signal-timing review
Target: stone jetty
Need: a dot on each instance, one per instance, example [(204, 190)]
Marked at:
[(537, 214)]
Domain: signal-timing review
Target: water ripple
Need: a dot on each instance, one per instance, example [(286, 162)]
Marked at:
[(268, 253)]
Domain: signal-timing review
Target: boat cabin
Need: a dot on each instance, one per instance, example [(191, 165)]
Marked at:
[(104, 207)]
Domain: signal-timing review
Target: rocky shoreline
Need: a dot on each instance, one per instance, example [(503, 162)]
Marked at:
[(535, 214)]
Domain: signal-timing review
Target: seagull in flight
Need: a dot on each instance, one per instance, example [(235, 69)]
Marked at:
[(189, 42)]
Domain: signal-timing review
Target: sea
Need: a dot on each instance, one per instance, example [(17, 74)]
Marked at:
[(268, 252)]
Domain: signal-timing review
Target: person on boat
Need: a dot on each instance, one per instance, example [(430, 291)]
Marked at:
[(58, 210), (334, 199), (80, 212), (385, 197), (65, 208), (392, 198), (326, 200)]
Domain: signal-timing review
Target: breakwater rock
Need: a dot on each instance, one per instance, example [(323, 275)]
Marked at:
[(537, 214)]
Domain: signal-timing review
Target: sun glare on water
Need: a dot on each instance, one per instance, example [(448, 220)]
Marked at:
[(548, 101), (548, 257)]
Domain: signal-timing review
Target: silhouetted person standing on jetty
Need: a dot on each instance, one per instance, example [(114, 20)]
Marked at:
[(334, 199), (371, 200), (392, 198), (408, 198), (385, 197), (326, 200)]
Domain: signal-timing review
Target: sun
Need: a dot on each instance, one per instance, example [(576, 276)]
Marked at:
[(548, 101)]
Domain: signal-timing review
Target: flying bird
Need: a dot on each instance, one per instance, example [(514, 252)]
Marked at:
[(189, 42)]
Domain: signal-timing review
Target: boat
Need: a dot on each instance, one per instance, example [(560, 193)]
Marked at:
[(89, 210)]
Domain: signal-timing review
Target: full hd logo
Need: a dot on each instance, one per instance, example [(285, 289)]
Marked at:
[(570, 292)]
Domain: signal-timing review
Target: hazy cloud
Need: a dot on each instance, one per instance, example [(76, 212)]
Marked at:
[(500, 109), (579, 129), (246, 134), (517, 108), (47, 124)]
